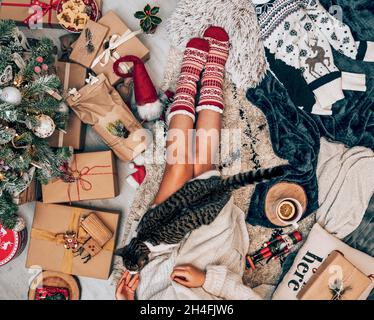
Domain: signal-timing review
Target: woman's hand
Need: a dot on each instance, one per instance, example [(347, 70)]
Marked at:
[(188, 276), (127, 286)]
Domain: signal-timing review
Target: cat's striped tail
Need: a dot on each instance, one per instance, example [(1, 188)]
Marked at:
[(253, 177)]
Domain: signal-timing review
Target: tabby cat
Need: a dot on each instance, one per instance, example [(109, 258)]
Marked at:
[(197, 203)]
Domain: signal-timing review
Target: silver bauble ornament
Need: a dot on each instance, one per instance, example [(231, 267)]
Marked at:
[(20, 224), (63, 108), (11, 95), (45, 128)]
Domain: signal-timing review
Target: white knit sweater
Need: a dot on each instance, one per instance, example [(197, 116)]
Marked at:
[(219, 249)]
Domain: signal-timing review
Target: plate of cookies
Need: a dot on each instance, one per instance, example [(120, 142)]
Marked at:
[(73, 15)]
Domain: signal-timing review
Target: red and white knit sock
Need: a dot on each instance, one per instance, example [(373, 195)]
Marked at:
[(211, 97), (194, 60)]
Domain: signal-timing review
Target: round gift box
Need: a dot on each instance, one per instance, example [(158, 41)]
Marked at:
[(12, 244)]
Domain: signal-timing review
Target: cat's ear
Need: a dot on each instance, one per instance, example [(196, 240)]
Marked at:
[(119, 252)]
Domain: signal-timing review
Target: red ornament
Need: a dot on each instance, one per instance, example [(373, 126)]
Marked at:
[(44, 67), (37, 69), (39, 59)]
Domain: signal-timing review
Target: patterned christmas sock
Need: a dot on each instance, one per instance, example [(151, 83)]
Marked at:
[(211, 97), (194, 61)]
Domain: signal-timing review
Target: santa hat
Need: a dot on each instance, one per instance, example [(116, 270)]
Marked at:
[(149, 106), (136, 178)]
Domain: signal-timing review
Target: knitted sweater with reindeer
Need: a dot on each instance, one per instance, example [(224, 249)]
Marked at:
[(302, 34)]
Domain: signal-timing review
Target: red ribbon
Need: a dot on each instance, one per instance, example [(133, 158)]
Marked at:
[(46, 8), (79, 179)]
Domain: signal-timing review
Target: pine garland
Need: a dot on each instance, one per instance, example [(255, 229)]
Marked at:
[(23, 155)]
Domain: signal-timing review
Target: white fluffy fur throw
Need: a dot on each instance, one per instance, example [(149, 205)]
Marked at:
[(246, 64)]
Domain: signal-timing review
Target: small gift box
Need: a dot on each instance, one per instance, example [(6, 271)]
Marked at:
[(31, 12), (98, 104), (89, 176), (57, 234), (72, 75), (336, 279), (86, 48), (74, 136), (29, 195), (109, 46), (120, 41)]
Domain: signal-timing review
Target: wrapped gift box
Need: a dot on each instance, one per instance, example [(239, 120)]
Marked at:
[(74, 136), (100, 106), (335, 279), (111, 39), (72, 75), (89, 176), (31, 194), (23, 13), (46, 249), (94, 34)]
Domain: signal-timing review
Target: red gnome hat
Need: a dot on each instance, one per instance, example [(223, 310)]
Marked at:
[(137, 177), (149, 106)]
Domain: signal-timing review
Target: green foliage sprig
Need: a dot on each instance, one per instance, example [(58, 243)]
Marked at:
[(148, 18)]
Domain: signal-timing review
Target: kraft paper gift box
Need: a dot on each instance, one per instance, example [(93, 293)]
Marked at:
[(32, 193), (100, 105), (335, 272), (89, 176), (23, 13), (111, 39), (94, 34), (74, 136), (72, 75), (46, 248)]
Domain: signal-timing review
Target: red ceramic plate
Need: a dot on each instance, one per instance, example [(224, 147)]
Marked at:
[(92, 12)]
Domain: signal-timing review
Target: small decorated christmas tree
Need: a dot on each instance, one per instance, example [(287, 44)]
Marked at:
[(31, 108)]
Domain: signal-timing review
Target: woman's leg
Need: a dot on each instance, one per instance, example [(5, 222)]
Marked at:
[(208, 130), (210, 108), (179, 167), (180, 155)]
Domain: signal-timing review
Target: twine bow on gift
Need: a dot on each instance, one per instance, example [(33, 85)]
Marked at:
[(110, 54), (40, 8), (80, 177)]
